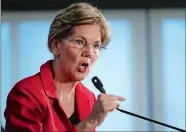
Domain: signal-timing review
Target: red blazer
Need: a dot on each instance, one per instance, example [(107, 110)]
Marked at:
[(33, 105)]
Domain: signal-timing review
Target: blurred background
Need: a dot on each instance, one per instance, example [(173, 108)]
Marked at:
[(144, 62)]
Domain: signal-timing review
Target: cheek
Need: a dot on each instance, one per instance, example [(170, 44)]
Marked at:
[(70, 56), (94, 59)]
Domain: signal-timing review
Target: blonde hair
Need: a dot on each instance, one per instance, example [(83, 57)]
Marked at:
[(77, 14)]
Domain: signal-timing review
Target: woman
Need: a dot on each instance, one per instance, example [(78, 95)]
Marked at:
[(55, 99)]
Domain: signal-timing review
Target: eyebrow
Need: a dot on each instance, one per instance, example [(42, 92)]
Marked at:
[(86, 39)]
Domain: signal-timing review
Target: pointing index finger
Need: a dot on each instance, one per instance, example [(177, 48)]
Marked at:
[(120, 98)]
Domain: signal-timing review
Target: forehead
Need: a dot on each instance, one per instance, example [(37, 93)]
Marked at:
[(89, 32)]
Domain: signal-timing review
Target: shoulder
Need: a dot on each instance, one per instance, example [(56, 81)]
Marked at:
[(25, 105), (29, 90), (30, 81), (31, 84)]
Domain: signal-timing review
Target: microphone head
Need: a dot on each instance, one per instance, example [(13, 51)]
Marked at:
[(98, 84)]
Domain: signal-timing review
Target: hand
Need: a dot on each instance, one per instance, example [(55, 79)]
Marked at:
[(104, 104)]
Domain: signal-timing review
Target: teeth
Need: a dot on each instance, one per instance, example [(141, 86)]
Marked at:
[(83, 66), (86, 64)]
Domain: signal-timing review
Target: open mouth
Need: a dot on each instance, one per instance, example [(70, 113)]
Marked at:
[(83, 67)]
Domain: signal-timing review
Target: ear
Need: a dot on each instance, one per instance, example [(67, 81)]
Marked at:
[(55, 48)]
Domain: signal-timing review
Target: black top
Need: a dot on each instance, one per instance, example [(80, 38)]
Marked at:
[(74, 118)]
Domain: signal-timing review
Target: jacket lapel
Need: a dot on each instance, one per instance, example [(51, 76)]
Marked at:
[(83, 101), (83, 95)]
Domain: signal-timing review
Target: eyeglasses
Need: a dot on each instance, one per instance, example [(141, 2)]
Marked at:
[(82, 43)]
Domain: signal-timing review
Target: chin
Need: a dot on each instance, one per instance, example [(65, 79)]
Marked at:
[(79, 76)]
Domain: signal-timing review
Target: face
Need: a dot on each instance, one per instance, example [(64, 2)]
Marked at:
[(79, 51)]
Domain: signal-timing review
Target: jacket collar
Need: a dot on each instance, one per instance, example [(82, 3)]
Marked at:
[(83, 98), (47, 80)]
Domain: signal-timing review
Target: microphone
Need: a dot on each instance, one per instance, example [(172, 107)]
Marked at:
[(98, 84)]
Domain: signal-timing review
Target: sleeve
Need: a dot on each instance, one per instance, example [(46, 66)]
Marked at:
[(23, 113), (74, 129), (94, 98), (94, 101)]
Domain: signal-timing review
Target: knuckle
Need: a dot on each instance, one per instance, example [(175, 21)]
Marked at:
[(101, 97), (112, 97)]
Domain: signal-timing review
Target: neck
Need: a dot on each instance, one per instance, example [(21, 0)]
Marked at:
[(65, 90), (65, 87), (62, 83)]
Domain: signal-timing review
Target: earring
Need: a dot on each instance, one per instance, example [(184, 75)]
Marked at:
[(57, 53)]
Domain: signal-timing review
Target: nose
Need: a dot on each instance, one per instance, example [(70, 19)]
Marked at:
[(89, 51)]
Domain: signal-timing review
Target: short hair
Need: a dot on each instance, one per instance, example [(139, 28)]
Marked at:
[(80, 13)]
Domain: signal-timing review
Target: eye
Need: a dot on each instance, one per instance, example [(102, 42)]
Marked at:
[(97, 46), (79, 42)]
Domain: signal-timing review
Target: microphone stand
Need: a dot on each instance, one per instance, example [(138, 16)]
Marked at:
[(98, 84), (154, 121)]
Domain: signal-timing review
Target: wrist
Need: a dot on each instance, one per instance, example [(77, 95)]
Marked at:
[(87, 125)]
